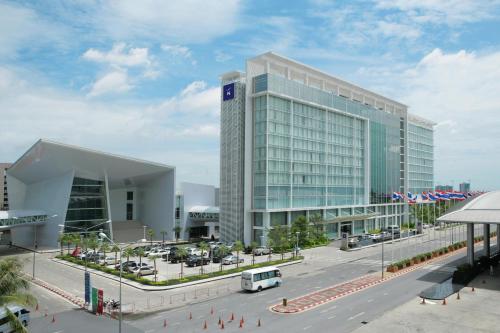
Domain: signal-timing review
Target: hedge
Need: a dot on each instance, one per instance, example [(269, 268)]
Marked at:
[(170, 282)]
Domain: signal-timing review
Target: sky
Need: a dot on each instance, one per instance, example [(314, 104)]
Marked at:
[(141, 78)]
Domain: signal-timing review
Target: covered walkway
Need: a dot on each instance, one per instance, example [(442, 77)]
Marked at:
[(483, 210)]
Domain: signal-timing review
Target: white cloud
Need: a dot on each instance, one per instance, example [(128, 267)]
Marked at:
[(186, 21), (222, 56), (460, 92), (398, 30), (111, 83), (182, 131), (179, 51), (119, 56)]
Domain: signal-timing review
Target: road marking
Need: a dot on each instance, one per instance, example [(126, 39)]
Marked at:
[(199, 317), (149, 331), (370, 300), (176, 323), (355, 316), (333, 307), (222, 310), (323, 311), (307, 327), (331, 317), (385, 294)]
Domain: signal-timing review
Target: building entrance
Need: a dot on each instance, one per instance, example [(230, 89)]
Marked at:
[(346, 227)]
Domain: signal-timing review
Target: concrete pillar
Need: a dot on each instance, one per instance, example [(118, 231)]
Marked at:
[(266, 222), (486, 242), (498, 238), (470, 243)]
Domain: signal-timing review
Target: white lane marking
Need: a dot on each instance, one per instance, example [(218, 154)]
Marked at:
[(385, 294), (307, 327), (323, 311), (149, 331), (356, 315), (176, 323), (370, 300), (199, 317), (332, 307), (331, 317)]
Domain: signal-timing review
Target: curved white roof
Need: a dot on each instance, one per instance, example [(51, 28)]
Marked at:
[(483, 209), (204, 209)]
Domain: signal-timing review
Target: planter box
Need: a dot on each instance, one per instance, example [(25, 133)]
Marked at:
[(392, 269), (408, 264)]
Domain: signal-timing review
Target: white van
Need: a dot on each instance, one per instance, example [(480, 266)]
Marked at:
[(260, 278), (19, 312)]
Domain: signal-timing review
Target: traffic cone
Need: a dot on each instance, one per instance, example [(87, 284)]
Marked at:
[(472, 288), (242, 320), (241, 324), (53, 318), (258, 323), (423, 301), (205, 325), (222, 325), (190, 316), (444, 301), (165, 323), (232, 317), (458, 296), (219, 321)]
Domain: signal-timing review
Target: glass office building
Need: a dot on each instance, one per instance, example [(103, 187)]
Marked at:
[(420, 155), (312, 144)]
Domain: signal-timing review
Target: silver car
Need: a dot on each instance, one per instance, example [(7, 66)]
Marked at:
[(261, 250), (231, 260), (145, 270)]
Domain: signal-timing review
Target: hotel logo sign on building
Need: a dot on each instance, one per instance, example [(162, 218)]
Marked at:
[(228, 92)]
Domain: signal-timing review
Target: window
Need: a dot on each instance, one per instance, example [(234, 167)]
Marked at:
[(177, 213), (130, 196), (130, 211), (257, 277)]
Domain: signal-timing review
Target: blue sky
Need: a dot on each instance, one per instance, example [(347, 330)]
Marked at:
[(140, 78)]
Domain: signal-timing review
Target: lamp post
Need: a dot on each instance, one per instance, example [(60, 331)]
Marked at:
[(103, 235)]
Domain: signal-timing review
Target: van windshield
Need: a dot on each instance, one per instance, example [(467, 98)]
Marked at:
[(246, 276)]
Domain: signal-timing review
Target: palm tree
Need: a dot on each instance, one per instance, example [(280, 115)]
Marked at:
[(238, 246), (115, 248), (154, 257), (163, 234), (204, 248), (140, 253), (151, 234), (14, 289), (182, 253), (104, 249), (222, 251), (253, 245), (93, 243), (129, 252), (177, 230)]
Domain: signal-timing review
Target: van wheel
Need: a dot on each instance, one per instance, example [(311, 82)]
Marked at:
[(259, 289), (25, 323)]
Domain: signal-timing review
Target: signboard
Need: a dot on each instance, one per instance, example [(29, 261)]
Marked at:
[(228, 92), (94, 300), (344, 242), (87, 287), (100, 301)]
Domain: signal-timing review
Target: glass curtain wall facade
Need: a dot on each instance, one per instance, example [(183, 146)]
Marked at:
[(420, 158), (87, 206)]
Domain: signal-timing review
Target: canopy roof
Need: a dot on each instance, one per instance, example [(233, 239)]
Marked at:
[(483, 209), (204, 209)]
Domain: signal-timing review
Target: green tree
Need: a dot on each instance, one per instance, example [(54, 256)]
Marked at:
[(154, 257), (252, 246), (279, 237), (104, 248), (204, 248), (222, 251), (151, 234), (140, 253), (317, 222), (128, 252), (93, 243), (177, 230), (301, 226), (115, 248), (163, 235), (76, 240), (14, 289), (182, 253), (61, 239), (238, 247)]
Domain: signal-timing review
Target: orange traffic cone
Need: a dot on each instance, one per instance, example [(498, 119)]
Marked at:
[(444, 301), (165, 323), (219, 321), (458, 296), (205, 325), (53, 318), (242, 320), (222, 325), (258, 323), (241, 324), (190, 316), (232, 317)]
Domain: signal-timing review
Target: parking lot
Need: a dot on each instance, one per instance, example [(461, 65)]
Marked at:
[(167, 270)]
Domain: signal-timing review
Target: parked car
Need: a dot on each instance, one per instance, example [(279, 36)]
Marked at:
[(375, 237), (217, 258), (193, 261), (175, 258), (353, 242), (231, 259), (214, 244), (132, 266), (108, 261), (124, 264), (144, 270), (261, 250)]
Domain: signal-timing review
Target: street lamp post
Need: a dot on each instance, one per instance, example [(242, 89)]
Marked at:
[(297, 243), (103, 235)]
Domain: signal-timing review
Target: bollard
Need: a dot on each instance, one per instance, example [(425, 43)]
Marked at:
[(285, 302), (423, 301), (165, 323), (53, 318), (458, 295), (444, 301), (258, 323)]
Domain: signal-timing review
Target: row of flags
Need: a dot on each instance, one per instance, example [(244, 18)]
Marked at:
[(433, 196)]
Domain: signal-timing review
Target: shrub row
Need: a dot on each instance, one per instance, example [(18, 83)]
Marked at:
[(170, 282)]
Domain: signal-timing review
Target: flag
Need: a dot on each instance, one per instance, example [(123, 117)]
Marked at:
[(412, 198), (396, 196), (433, 197)]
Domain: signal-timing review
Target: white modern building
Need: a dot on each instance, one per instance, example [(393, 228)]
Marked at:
[(86, 190), (297, 141), (197, 211)]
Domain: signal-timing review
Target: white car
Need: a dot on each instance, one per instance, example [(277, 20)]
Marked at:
[(231, 259), (145, 270), (108, 261), (375, 236)]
